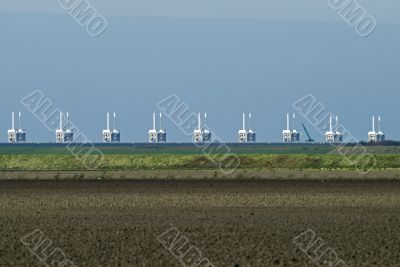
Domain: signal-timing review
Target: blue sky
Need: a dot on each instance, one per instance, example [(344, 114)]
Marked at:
[(306, 10), (220, 57)]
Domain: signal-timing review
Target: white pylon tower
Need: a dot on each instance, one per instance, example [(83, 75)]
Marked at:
[(380, 135), (243, 132), (251, 135), (373, 135), (11, 133), (107, 132), (338, 135), (60, 131), (160, 127), (19, 121), (153, 138), (21, 134), (205, 132), (287, 134), (115, 134), (68, 134), (329, 135), (295, 133), (162, 134), (198, 133)]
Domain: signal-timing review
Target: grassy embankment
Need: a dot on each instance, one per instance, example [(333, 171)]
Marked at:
[(187, 162)]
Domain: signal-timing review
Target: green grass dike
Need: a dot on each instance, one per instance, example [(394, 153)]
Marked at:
[(122, 162)]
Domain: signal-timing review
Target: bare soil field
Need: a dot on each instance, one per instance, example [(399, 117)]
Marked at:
[(196, 175), (230, 223)]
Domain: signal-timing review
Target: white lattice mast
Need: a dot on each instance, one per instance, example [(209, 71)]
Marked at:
[(19, 120), (60, 132), (68, 135), (153, 133), (244, 122), (373, 123), (115, 135), (337, 124), (11, 133), (242, 132), (380, 135), (107, 138), (199, 121), (287, 134), (330, 135), (108, 121), (250, 121), (379, 123), (205, 133), (372, 135), (161, 134), (20, 135), (251, 135), (293, 116), (295, 135), (287, 122), (154, 121), (67, 123), (198, 132), (61, 121), (12, 121)]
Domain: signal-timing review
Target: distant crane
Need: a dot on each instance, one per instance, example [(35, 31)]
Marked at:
[(309, 140)]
